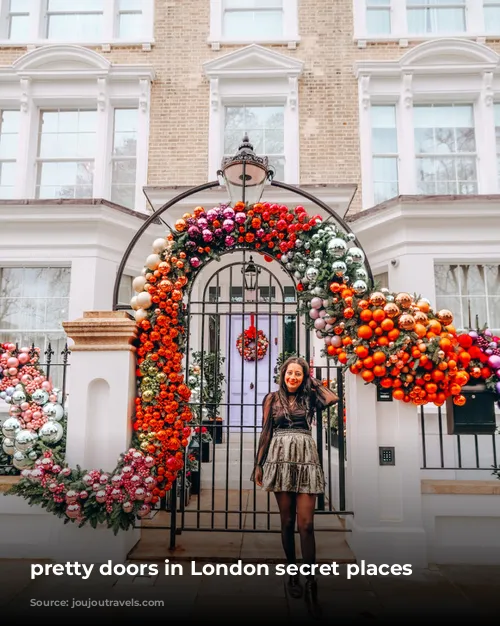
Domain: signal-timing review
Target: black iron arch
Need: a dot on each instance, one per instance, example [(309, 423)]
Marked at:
[(190, 192)]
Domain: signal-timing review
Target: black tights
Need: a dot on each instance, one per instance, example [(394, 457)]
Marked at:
[(298, 506)]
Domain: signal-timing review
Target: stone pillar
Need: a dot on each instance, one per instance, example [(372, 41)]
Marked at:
[(387, 525), (100, 405)]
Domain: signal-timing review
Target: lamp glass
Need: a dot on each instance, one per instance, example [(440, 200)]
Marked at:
[(245, 181)]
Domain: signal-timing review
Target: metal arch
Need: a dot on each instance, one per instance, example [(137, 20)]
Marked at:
[(194, 276), (152, 218), (185, 194), (332, 214)]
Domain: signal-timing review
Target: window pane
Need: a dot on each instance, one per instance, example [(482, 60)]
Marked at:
[(435, 20), (20, 6), (82, 27), (19, 27), (130, 5), (124, 171), (253, 24), (123, 195), (126, 120), (253, 4), (130, 26), (471, 289), (378, 22), (492, 19), (75, 6), (65, 180)]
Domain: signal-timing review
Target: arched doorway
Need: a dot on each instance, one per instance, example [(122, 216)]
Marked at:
[(244, 290)]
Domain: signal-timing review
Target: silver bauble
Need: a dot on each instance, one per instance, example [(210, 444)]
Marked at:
[(317, 262), (51, 432), (301, 267), (351, 236), (21, 461), (284, 259), (297, 274), (40, 396), (339, 268), (318, 254), (312, 274), (360, 274), (359, 287), (53, 411), (18, 397), (32, 455), (307, 245), (289, 266), (11, 427), (290, 254), (318, 291), (25, 440), (304, 280), (299, 243), (337, 247), (192, 380), (348, 259), (316, 237), (358, 256), (8, 446)]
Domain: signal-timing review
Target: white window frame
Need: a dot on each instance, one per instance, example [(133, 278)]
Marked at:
[(474, 25), (254, 75), (486, 296), (93, 82), (38, 22), (420, 77), (290, 35)]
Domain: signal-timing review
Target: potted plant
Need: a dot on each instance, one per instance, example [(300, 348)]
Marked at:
[(213, 382)]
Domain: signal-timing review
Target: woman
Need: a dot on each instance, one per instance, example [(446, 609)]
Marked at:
[(287, 462)]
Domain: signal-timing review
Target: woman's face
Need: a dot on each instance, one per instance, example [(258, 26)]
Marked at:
[(294, 376)]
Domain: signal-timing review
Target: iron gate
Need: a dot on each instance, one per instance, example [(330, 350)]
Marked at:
[(214, 492)]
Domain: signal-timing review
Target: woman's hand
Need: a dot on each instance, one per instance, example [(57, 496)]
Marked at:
[(258, 475)]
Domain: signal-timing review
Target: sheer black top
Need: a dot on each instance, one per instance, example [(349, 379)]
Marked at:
[(275, 416)]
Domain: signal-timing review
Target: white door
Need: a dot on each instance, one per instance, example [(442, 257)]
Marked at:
[(250, 381)]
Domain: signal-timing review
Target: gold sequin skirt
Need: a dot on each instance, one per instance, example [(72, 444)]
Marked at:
[(292, 463)]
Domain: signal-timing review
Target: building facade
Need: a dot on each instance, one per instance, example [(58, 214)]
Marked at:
[(387, 110)]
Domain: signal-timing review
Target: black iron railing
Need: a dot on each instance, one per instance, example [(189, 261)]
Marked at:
[(55, 367), (443, 451)]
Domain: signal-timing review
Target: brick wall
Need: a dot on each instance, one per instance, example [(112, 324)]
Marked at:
[(329, 141)]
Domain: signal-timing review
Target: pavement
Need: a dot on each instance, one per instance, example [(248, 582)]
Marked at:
[(467, 592), (160, 592)]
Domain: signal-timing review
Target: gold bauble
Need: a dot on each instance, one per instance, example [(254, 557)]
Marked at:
[(404, 300), (186, 216), (142, 436), (161, 377), (180, 225), (407, 322), (144, 445), (391, 309), (445, 317), (377, 298), (421, 318), (152, 371), (147, 395)]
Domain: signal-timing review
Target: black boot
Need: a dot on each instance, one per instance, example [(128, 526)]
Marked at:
[(311, 598), (294, 587)]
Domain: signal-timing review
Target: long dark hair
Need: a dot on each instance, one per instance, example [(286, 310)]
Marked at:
[(303, 392)]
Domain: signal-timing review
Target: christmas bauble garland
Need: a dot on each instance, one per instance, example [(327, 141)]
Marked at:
[(37, 418), (252, 344), (392, 339)]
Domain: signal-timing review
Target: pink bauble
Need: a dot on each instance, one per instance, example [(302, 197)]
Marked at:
[(314, 314), (46, 385), (13, 371), (23, 358), (336, 341), (12, 362)]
